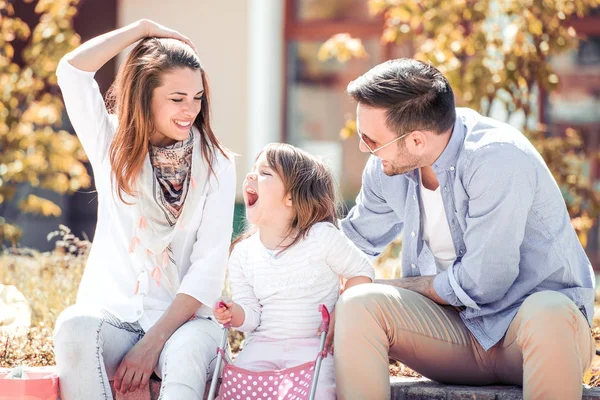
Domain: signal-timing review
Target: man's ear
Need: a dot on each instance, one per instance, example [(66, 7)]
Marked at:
[(418, 141)]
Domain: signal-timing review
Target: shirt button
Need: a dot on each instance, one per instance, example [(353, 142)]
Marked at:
[(412, 234), (445, 188), (461, 252), (413, 266), (414, 197), (451, 168)]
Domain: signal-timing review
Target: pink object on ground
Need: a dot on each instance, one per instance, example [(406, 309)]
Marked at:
[(41, 384)]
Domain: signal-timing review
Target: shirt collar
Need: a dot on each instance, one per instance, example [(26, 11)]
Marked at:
[(447, 160)]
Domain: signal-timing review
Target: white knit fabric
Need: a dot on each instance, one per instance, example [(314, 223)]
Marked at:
[(281, 294)]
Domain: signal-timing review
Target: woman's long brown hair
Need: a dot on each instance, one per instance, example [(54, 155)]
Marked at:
[(310, 184), (131, 98)]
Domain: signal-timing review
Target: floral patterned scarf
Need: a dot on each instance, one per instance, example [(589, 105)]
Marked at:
[(171, 167), (168, 194)]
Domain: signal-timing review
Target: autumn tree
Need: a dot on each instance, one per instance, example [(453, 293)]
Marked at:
[(34, 149)]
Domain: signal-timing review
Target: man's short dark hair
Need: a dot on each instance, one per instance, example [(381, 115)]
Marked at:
[(416, 96)]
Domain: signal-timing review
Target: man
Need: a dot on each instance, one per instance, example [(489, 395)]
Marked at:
[(495, 285)]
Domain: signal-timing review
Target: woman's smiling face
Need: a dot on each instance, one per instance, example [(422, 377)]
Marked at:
[(175, 105)]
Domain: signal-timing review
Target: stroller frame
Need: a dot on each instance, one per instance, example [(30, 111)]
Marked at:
[(325, 317)]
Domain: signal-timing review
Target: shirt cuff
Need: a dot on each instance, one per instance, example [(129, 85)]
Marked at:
[(206, 293), (446, 286), (249, 323)]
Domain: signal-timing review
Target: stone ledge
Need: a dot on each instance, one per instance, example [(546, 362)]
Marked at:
[(424, 389), (403, 388)]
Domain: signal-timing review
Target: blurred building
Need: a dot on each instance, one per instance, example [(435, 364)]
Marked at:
[(268, 85)]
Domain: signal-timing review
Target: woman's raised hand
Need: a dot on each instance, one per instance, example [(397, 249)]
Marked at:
[(94, 53), (153, 29)]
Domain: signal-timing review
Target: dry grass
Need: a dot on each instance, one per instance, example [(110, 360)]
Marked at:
[(49, 281), (35, 349)]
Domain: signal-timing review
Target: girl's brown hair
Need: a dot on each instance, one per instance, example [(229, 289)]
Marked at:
[(310, 184), (131, 97)]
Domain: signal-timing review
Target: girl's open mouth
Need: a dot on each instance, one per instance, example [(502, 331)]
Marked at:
[(251, 196)]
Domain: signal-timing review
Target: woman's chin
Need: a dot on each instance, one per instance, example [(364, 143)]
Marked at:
[(179, 135)]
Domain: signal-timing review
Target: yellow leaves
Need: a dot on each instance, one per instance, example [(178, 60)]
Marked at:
[(43, 113), (9, 51), (342, 47), (9, 232), (33, 151), (400, 13), (455, 46), (390, 35), (349, 129), (57, 182), (582, 226), (12, 28), (588, 375), (56, 8), (535, 27), (15, 167), (439, 57), (37, 205), (376, 6)]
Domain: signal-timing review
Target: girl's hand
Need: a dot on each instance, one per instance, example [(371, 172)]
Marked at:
[(153, 29), (223, 310), (330, 333), (136, 367)]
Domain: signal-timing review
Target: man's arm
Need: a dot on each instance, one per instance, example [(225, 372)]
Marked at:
[(371, 224)]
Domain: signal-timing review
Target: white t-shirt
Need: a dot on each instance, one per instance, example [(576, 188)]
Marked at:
[(281, 294), (436, 231)]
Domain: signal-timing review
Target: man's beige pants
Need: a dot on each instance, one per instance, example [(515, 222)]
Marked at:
[(546, 349)]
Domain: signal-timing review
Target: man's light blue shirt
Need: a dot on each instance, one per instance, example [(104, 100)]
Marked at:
[(508, 220)]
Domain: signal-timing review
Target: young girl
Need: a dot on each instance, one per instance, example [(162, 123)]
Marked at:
[(166, 190), (291, 263)]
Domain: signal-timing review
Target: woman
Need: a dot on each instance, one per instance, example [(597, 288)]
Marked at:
[(166, 190)]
